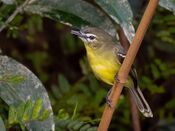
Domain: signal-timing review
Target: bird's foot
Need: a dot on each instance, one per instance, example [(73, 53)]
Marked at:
[(117, 78), (108, 101)]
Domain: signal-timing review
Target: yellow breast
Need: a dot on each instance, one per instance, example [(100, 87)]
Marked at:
[(104, 66)]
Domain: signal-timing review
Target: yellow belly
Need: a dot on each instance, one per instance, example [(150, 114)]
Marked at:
[(104, 72), (104, 67)]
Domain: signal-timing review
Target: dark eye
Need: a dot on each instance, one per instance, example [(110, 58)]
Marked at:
[(91, 37)]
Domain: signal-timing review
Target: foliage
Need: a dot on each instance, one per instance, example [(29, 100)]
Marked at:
[(64, 122), (26, 112), (17, 87), (57, 58)]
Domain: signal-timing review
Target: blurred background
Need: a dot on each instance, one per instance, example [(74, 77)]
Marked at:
[(59, 60)]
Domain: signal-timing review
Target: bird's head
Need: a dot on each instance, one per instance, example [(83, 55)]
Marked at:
[(92, 37)]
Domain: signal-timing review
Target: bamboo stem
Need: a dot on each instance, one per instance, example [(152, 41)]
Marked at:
[(126, 66)]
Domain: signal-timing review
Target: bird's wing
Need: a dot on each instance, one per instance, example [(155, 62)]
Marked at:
[(121, 54), (135, 91)]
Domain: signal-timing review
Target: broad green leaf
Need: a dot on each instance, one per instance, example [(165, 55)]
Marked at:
[(28, 88), (77, 13), (2, 126), (168, 4), (120, 11), (36, 109)]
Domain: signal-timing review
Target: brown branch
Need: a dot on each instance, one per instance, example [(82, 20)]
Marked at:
[(134, 111), (135, 114), (126, 66)]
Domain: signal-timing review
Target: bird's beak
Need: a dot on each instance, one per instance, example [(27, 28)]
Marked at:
[(78, 33)]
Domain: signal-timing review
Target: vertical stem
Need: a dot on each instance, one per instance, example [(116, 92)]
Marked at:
[(134, 111), (126, 66), (135, 115)]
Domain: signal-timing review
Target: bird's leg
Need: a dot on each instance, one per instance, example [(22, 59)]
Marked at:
[(108, 101), (116, 78)]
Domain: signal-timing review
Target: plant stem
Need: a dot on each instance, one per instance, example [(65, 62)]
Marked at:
[(134, 111), (126, 66), (12, 16), (135, 114)]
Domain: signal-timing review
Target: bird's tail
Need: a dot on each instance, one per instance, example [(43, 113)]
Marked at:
[(141, 102)]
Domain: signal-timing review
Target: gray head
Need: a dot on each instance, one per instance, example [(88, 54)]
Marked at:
[(93, 37)]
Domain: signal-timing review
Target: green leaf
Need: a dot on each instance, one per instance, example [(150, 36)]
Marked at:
[(85, 127), (72, 124), (28, 111), (170, 104), (78, 125), (156, 89), (155, 71), (22, 126), (37, 108), (62, 114), (12, 117), (120, 11), (168, 4), (29, 88), (77, 13), (15, 79), (92, 129), (56, 92), (45, 114), (75, 111), (63, 83), (20, 110), (8, 2), (2, 126), (93, 83)]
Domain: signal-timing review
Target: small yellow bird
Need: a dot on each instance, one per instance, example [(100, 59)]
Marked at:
[(105, 58)]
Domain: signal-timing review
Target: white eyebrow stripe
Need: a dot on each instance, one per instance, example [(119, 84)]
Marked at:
[(122, 55), (88, 39), (88, 35)]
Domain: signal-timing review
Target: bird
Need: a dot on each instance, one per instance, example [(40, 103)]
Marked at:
[(105, 57)]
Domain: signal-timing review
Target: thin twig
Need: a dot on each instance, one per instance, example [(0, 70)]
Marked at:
[(126, 66), (12, 16)]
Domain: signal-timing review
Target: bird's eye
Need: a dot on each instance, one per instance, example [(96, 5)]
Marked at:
[(91, 37)]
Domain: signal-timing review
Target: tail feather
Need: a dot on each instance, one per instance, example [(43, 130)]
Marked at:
[(141, 102)]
